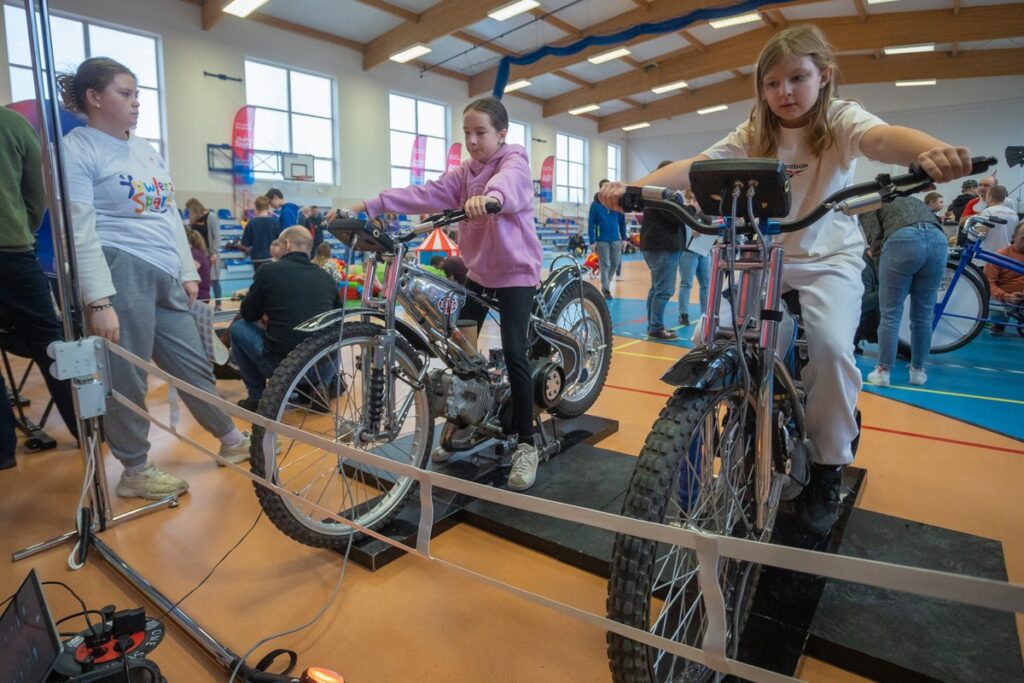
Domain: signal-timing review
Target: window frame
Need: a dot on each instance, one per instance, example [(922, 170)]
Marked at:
[(290, 112), (562, 184), (428, 174), (614, 170)]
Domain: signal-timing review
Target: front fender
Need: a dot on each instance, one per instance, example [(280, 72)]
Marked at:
[(551, 289), (707, 367), (338, 315)]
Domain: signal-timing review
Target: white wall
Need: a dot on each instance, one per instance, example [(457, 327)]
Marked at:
[(200, 110), (983, 114)]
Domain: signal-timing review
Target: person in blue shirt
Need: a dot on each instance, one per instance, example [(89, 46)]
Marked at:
[(607, 235), (286, 212)]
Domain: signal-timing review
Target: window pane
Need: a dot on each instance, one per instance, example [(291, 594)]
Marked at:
[(576, 150), (431, 175), (323, 171), (312, 135), (561, 194), (399, 177), (403, 113), (576, 196), (575, 175), (437, 155), (149, 115), (516, 134), (561, 147), (270, 130), (69, 43), (157, 145), (138, 53), (401, 149), (311, 94), (431, 120), (16, 29), (266, 86), (22, 85), (561, 172)]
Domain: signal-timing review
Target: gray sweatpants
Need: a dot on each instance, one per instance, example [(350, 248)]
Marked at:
[(152, 310), (608, 255)]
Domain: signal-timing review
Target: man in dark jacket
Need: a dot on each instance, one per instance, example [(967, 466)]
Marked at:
[(968, 191), (286, 293), (661, 241)]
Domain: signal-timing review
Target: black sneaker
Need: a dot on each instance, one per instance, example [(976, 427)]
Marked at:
[(607, 294), (666, 335), (249, 404), (684, 319), (818, 505)]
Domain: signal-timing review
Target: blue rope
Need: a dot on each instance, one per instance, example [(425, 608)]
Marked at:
[(652, 28)]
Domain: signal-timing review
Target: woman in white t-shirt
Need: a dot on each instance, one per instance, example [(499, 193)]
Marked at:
[(134, 267), (796, 118)]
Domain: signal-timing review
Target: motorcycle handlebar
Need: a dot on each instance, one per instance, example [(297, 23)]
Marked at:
[(444, 219)]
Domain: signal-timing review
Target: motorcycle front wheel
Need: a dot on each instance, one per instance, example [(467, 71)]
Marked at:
[(588, 319)]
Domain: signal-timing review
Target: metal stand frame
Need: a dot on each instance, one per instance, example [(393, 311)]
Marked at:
[(51, 135), (36, 438)]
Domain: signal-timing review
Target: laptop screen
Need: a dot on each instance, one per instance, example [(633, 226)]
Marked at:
[(28, 636)]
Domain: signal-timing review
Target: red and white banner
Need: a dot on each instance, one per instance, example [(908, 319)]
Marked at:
[(547, 179), (454, 156), (242, 145), (419, 159)]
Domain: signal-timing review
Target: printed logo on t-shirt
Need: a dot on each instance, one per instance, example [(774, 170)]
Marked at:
[(793, 170), (154, 197)]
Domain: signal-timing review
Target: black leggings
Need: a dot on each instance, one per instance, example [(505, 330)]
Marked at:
[(514, 304)]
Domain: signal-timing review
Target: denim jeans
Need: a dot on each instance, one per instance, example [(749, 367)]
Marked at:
[(663, 265), (609, 255), (255, 366), (690, 264), (913, 261)]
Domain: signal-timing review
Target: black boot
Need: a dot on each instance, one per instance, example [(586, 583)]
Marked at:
[(818, 506)]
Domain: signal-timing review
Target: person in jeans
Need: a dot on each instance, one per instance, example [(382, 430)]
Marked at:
[(607, 235), (661, 243), (913, 250), (1007, 286), (695, 260)]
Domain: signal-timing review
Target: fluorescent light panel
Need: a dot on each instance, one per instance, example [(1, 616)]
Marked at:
[(583, 110), (243, 8), (908, 49), (512, 9), (735, 21), (910, 84), (879, 2), (712, 110), (669, 87), (410, 53), (636, 126), (609, 56), (518, 85)]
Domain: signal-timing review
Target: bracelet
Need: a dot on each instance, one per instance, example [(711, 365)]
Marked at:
[(101, 307)]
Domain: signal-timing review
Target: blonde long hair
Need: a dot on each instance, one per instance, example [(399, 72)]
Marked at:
[(798, 41)]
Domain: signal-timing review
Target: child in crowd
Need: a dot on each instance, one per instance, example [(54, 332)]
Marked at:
[(502, 251), (797, 118), (135, 269), (259, 233)]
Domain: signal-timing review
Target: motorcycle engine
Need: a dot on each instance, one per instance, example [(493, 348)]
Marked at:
[(463, 401)]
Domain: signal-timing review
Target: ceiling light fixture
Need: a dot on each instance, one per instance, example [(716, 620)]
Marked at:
[(243, 8), (910, 84), (518, 85), (636, 126), (712, 110), (879, 2), (410, 53), (908, 49), (609, 56), (669, 87), (736, 20), (512, 9), (583, 110)]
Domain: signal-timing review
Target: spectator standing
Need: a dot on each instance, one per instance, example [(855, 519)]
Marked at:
[(286, 212), (607, 234), (695, 260), (998, 237), (912, 250), (259, 232), (201, 261), (135, 269), (661, 243), (288, 292), (207, 224), (968, 191), (935, 202), (1006, 286), (26, 304)]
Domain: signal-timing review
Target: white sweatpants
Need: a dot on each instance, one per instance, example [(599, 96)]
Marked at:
[(830, 295)]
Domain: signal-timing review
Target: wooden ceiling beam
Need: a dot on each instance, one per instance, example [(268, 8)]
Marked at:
[(845, 33), (573, 78), (862, 10), (302, 30), (393, 10), (212, 12), (693, 40), (855, 69), (483, 43), (552, 20), (956, 8)]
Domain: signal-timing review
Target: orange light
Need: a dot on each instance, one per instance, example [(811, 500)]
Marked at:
[(316, 674)]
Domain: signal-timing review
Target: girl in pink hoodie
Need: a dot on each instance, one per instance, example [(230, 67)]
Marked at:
[(501, 250)]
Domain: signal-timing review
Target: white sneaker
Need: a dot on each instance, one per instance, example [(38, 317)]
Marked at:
[(879, 377), (238, 453), (918, 377), (151, 483), (524, 467)]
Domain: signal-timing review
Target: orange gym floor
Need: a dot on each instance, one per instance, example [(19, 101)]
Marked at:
[(414, 620)]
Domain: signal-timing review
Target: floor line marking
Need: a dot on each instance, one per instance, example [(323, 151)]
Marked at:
[(915, 435), (954, 393), (647, 355), (626, 345)]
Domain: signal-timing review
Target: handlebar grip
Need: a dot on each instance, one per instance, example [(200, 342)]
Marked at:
[(978, 165), (493, 207), (632, 199)]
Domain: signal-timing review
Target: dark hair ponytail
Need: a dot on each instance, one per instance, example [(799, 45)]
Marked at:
[(95, 73), (494, 109)]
